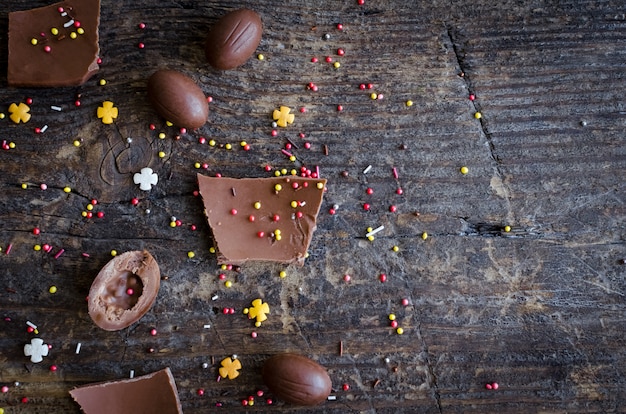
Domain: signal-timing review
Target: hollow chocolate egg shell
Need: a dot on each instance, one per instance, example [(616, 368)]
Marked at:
[(178, 98), (233, 39), (124, 290)]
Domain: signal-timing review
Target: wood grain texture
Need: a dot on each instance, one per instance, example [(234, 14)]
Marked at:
[(539, 309)]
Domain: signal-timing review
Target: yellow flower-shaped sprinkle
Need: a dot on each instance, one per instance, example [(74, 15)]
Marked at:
[(19, 113), (230, 368), (107, 112), (258, 310), (283, 116)]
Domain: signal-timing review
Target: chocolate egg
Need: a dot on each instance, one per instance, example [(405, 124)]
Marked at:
[(233, 39), (124, 290), (297, 379), (178, 99)]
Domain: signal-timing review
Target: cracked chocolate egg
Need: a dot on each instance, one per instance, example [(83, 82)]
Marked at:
[(297, 379), (124, 290)]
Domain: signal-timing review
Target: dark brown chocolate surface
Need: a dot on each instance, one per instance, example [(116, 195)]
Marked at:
[(297, 379), (233, 39), (69, 61), (178, 99), (148, 394), (112, 306), (243, 232)]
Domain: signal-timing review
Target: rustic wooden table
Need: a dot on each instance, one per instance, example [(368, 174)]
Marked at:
[(537, 307)]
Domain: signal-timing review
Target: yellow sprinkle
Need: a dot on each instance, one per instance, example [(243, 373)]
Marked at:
[(162, 135), (369, 229), (212, 142), (283, 171), (54, 31), (80, 30), (400, 331), (507, 228), (224, 267), (409, 103), (294, 204), (243, 143), (292, 158), (191, 255), (257, 205), (73, 35), (161, 154), (320, 186), (84, 214), (2, 115), (197, 165), (113, 252), (76, 143), (337, 65), (278, 237), (172, 224), (260, 56), (168, 123), (257, 324), (392, 317), (228, 283), (464, 170), (33, 41), (395, 248), (89, 207), (11, 145), (102, 82), (373, 96), (53, 289), (24, 186), (246, 311), (228, 146), (67, 189), (370, 238), (211, 249), (478, 115), (37, 247), (277, 173), (278, 187), (277, 231), (424, 236), (293, 172), (282, 274)]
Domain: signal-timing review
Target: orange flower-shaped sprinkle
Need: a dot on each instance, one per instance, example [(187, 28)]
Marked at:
[(230, 368), (283, 116), (107, 112), (258, 310), (19, 113)]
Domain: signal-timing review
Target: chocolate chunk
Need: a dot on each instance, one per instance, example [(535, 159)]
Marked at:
[(124, 290), (233, 39), (178, 99), (55, 45), (148, 394), (261, 219), (297, 379)]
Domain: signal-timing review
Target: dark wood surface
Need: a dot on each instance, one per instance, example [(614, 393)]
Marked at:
[(540, 309)]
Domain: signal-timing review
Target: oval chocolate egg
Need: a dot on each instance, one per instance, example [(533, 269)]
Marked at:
[(297, 379), (233, 39), (178, 99), (124, 290)]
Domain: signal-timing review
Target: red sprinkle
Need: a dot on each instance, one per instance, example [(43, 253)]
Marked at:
[(141, 46), (142, 25), (382, 278), (393, 208), (339, 26), (328, 59), (399, 191), (200, 391), (314, 59), (345, 387), (260, 234), (36, 231), (53, 368), (405, 302), (366, 207), (153, 332), (369, 191), (341, 52)]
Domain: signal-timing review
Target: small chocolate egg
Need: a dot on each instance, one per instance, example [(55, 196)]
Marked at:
[(178, 99), (233, 39), (124, 290), (297, 379)]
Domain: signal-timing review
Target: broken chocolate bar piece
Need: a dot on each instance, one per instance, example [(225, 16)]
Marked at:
[(55, 45), (261, 219), (148, 394)]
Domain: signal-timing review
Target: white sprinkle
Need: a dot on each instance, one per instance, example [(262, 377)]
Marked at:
[(207, 326), (367, 169), (56, 108), (376, 230), (215, 297), (78, 345), (44, 128), (68, 24), (205, 365), (274, 124), (129, 140), (132, 374), (332, 397), (64, 14), (32, 325), (302, 203), (147, 211), (234, 356)]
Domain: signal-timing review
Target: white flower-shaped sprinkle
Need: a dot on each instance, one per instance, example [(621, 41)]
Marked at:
[(146, 179), (36, 350)]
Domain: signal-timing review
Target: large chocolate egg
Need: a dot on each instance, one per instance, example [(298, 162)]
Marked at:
[(178, 99), (233, 39), (297, 379), (124, 290)]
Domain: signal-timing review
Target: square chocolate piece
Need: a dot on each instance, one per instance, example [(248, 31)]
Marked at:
[(261, 219), (148, 394), (54, 45)]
